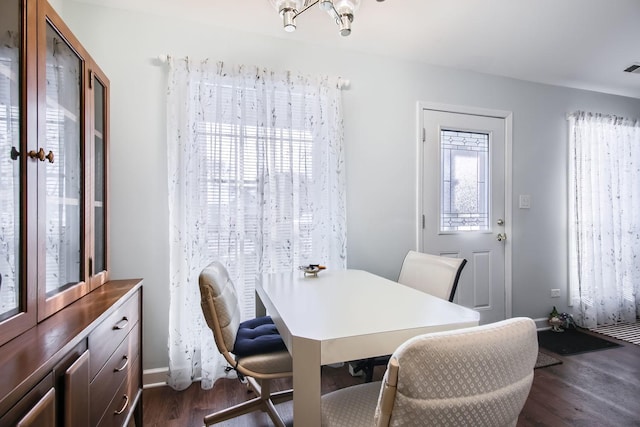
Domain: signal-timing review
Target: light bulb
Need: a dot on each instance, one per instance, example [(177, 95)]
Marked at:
[(289, 20), (343, 5), (288, 9), (345, 25), (325, 5)]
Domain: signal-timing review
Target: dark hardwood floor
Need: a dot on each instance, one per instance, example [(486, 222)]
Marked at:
[(599, 388)]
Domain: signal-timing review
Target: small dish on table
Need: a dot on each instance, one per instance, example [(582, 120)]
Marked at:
[(312, 269)]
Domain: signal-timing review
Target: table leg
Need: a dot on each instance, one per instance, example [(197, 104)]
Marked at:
[(306, 383), (260, 308)]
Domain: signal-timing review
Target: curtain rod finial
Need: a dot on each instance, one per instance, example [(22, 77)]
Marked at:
[(343, 83)]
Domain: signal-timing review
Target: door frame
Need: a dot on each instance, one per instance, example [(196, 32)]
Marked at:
[(507, 116)]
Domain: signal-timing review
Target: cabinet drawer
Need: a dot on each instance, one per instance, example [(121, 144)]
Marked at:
[(124, 400), (109, 334), (116, 369)]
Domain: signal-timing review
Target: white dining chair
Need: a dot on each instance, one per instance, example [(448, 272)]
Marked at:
[(479, 376), (433, 274)]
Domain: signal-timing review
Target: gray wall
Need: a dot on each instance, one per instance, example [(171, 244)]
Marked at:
[(380, 137)]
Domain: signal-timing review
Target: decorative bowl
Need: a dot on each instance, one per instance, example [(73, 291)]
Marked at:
[(311, 269)]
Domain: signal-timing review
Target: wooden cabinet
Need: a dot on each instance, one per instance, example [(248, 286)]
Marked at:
[(117, 348), (88, 354), (35, 408), (54, 130), (70, 339)]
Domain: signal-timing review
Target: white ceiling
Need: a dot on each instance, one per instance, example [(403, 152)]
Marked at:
[(577, 43)]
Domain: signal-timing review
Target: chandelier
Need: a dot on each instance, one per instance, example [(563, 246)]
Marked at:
[(341, 11)]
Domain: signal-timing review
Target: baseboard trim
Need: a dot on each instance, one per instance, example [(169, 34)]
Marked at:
[(154, 377), (542, 323)]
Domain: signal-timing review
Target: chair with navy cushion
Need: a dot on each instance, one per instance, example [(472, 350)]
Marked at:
[(479, 376), (253, 347)]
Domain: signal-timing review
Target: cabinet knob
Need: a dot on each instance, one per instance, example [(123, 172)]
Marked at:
[(39, 155)]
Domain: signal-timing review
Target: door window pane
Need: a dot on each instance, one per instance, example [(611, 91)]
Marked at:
[(9, 160), (63, 176), (464, 181)]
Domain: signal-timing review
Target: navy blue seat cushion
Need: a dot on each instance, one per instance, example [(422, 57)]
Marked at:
[(257, 336)]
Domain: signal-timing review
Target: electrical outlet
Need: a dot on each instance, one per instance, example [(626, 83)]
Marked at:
[(555, 293)]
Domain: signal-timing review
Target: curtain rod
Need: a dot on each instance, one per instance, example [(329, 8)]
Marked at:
[(341, 83)]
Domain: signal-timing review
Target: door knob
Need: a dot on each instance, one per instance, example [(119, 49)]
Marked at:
[(500, 221), (501, 237)]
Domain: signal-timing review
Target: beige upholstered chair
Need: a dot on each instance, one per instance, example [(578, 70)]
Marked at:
[(478, 376), (259, 356), (433, 274)]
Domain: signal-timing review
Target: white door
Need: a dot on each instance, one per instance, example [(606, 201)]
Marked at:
[(463, 204)]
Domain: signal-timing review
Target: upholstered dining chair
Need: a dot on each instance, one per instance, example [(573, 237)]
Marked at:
[(479, 376), (253, 347), (433, 274)]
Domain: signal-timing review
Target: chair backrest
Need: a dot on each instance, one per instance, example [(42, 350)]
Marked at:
[(433, 274), (220, 306), (478, 376)]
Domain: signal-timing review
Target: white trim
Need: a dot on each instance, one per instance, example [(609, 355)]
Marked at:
[(154, 377), (507, 116), (542, 324), (571, 247)]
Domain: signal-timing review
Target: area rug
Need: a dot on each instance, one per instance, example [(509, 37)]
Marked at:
[(545, 360), (629, 332), (572, 341)]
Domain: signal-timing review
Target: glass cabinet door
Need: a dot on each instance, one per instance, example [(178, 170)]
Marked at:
[(60, 173), (17, 304), (98, 262), (10, 147)]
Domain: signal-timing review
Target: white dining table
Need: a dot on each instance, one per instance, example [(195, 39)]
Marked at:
[(344, 315)]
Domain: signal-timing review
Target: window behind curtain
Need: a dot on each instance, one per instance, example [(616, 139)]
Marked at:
[(238, 155), (256, 181), (604, 230)]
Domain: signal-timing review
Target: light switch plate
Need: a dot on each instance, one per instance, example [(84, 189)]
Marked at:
[(525, 201)]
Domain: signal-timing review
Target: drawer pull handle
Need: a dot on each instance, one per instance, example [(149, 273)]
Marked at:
[(121, 324), (124, 407), (123, 367)]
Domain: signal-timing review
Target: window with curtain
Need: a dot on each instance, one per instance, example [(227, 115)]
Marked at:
[(256, 181), (604, 227)]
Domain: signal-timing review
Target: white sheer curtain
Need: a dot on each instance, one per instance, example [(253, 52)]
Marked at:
[(604, 221), (256, 181)]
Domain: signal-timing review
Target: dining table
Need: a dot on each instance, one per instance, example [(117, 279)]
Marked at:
[(344, 315)]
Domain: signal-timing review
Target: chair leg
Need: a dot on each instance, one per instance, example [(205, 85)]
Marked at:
[(281, 396), (368, 370), (235, 411), (264, 402), (273, 414)]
